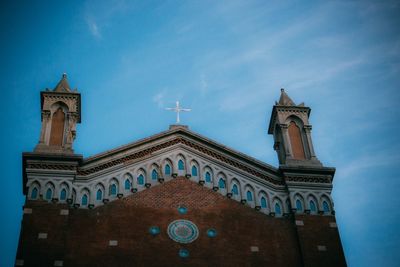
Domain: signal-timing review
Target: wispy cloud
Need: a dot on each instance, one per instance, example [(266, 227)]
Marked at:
[(159, 99), (203, 84), (99, 15), (93, 28), (369, 160)]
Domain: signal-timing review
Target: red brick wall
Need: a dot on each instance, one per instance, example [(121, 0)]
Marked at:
[(81, 238), (317, 231)]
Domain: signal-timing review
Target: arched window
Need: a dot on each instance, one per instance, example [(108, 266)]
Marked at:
[(154, 174), (113, 189), (325, 206), (313, 208), (140, 179), (57, 127), (249, 196), (277, 209), (181, 166), (167, 169), (221, 183), (99, 195), (127, 184), (34, 193), (84, 200), (63, 194), (299, 206), (49, 194), (235, 189), (263, 203), (208, 177), (194, 170), (295, 141)]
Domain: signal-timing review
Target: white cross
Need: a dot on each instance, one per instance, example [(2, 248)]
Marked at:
[(178, 109)]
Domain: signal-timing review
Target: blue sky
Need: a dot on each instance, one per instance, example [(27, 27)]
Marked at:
[(227, 60)]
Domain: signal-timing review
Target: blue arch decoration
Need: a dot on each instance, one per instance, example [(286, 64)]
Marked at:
[(63, 194)]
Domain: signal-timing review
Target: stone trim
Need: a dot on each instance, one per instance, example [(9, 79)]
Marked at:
[(149, 151), (254, 249), (28, 211), (50, 166), (113, 243), (332, 225), (320, 179), (19, 262), (58, 263), (64, 212), (42, 236)]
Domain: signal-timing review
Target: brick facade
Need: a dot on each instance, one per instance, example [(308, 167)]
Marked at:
[(81, 238)]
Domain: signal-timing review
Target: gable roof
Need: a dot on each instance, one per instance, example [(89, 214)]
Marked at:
[(184, 136), (285, 100), (63, 85)]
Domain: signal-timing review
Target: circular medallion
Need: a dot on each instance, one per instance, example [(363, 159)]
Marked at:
[(211, 232), (183, 253), (182, 210), (154, 230), (183, 231)]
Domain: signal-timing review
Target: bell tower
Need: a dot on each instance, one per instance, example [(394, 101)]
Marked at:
[(61, 111), (292, 133)]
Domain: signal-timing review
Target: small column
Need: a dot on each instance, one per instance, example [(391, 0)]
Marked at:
[(45, 121), (257, 201), (286, 139), (228, 186), (307, 129), (121, 186), (215, 181)]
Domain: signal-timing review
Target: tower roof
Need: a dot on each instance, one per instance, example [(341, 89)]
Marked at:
[(285, 100), (62, 85)]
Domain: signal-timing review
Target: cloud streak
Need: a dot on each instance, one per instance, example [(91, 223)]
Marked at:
[(93, 28)]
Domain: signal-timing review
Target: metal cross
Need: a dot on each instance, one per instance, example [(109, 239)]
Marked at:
[(178, 109)]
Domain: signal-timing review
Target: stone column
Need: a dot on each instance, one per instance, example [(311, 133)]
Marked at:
[(45, 121), (307, 129), (286, 140), (121, 186), (215, 181), (228, 189), (71, 129), (257, 201)]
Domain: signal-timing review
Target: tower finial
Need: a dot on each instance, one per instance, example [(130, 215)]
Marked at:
[(285, 100), (64, 75)]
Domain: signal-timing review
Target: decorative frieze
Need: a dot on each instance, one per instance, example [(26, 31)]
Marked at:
[(308, 179), (148, 151)]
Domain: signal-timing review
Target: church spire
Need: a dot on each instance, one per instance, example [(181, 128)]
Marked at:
[(63, 85), (285, 100), (292, 132), (61, 111)]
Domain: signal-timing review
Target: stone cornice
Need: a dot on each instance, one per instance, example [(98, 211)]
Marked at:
[(308, 179), (179, 140)]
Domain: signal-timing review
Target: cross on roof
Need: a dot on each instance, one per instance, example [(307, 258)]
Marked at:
[(178, 109)]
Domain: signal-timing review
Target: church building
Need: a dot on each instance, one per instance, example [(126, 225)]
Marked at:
[(175, 198)]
